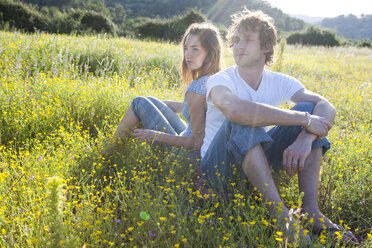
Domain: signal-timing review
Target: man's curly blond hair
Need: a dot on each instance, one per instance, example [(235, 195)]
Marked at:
[(257, 21)]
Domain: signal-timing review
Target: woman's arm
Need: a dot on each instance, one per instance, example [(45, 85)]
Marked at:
[(197, 108), (176, 106)]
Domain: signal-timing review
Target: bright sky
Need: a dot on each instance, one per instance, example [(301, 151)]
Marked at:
[(323, 8)]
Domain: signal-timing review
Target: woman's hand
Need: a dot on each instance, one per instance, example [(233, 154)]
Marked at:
[(145, 135)]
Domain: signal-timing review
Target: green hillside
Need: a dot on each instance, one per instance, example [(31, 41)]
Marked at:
[(218, 11)]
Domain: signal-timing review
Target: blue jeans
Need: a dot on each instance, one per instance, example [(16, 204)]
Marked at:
[(156, 115), (228, 148)]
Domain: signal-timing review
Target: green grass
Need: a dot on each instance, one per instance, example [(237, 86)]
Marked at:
[(61, 100)]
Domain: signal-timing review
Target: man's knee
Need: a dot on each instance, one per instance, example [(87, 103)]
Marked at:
[(304, 107), (244, 138)]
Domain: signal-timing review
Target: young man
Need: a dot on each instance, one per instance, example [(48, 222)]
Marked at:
[(243, 100)]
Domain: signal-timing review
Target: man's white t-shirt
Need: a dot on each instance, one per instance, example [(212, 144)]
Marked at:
[(275, 89)]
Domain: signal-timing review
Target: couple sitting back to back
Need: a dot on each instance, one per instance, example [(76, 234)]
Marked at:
[(229, 112)]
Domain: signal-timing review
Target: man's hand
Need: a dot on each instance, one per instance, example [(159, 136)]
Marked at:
[(319, 126), (295, 155), (145, 135)]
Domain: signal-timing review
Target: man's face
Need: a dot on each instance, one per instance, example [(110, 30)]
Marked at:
[(247, 49)]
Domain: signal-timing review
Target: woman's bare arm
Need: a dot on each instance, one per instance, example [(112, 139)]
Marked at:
[(176, 106)]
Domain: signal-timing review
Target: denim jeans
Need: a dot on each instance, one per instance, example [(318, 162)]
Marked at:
[(228, 148), (156, 115)]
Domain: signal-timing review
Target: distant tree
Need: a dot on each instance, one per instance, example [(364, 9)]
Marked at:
[(350, 26), (55, 3), (118, 14)]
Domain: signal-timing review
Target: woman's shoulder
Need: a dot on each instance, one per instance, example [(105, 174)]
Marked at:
[(201, 80), (199, 85)]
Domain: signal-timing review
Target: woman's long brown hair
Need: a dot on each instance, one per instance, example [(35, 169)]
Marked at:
[(210, 39)]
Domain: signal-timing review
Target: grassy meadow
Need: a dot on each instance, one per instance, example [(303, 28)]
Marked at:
[(61, 98)]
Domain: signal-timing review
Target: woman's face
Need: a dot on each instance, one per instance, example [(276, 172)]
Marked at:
[(195, 54)]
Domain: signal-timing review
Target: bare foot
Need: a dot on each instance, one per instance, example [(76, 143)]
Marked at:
[(322, 223)]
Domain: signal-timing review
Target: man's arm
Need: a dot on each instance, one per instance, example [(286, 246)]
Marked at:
[(301, 148), (257, 114), (322, 108)]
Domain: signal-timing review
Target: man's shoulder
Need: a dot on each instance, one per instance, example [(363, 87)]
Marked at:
[(275, 76), (226, 73), (225, 77)]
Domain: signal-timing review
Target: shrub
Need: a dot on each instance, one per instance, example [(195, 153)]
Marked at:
[(64, 24), (22, 16), (81, 22), (171, 29), (364, 43), (315, 37), (154, 28), (98, 23)]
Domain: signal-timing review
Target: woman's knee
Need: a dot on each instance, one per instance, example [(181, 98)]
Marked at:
[(139, 100), (304, 107), (153, 99), (141, 104)]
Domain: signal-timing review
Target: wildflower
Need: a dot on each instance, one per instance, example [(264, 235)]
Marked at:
[(297, 211), (151, 234), (264, 222)]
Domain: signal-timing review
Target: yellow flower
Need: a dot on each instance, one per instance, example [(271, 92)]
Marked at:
[(311, 221), (265, 222)]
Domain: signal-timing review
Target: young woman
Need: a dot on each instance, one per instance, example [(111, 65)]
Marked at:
[(202, 57)]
